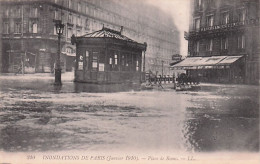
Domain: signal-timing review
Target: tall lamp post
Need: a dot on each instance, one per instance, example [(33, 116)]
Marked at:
[(59, 30), (162, 67)]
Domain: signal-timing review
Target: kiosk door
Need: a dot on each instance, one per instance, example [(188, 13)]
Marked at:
[(94, 71)]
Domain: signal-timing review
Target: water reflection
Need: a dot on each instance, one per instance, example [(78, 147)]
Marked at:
[(34, 118), (105, 88), (57, 88), (209, 133)]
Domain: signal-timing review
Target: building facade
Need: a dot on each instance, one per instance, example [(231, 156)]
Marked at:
[(226, 28), (29, 40)]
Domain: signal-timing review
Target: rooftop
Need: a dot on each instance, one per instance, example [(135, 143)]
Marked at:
[(108, 33)]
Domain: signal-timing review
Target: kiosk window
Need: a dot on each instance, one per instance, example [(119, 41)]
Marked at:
[(80, 63), (87, 60), (95, 61)]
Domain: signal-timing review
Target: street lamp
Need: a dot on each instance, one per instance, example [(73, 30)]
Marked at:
[(59, 30), (162, 67)]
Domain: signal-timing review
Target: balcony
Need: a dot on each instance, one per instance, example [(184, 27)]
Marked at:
[(219, 30)]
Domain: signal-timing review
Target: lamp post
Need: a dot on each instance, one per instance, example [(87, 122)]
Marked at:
[(162, 67), (59, 30)]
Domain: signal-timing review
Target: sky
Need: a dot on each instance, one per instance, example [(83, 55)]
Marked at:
[(179, 10)]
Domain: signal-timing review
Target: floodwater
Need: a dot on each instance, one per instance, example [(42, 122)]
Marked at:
[(37, 116)]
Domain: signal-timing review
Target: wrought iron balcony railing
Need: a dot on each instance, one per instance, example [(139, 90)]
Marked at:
[(218, 29)]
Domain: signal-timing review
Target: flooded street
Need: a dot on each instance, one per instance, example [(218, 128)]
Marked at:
[(37, 116)]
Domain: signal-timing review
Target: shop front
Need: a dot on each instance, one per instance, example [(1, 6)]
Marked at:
[(214, 69), (21, 61)]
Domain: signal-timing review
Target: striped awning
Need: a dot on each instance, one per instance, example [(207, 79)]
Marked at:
[(213, 62)]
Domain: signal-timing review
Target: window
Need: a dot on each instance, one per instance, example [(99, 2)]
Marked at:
[(80, 63), (242, 15), (197, 46), (129, 62), (17, 12), (18, 27), (78, 32), (87, 10), (69, 50), (55, 16), (110, 60), (224, 43), (6, 28), (78, 21), (7, 12), (70, 5), (123, 60), (33, 27), (241, 42), (113, 60), (70, 18), (116, 60), (79, 6), (95, 61), (197, 24), (210, 20), (198, 3), (225, 18), (87, 60), (87, 23), (33, 12), (137, 65), (69, 32), (209, 45), (94, 12), (54, 30)]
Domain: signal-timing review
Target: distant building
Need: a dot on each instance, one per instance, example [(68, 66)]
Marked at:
[(29, 40), (223, 41)]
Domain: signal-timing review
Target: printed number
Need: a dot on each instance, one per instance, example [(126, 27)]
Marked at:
[(30, 156)]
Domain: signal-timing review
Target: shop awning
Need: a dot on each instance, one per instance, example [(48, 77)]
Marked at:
[(229, 60), (213, 62)]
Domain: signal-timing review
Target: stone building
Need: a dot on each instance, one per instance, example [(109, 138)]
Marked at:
[(220, 30), (29, 40)]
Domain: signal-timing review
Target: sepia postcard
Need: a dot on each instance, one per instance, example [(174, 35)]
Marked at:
[(129, 81)]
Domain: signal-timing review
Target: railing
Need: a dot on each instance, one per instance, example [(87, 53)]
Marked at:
[(219, 28), (224, 26), (160, 79)]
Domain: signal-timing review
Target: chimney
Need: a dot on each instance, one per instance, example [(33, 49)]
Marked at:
[(121, 29)]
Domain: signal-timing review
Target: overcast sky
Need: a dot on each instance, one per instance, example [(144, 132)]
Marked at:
[(179, 9)]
